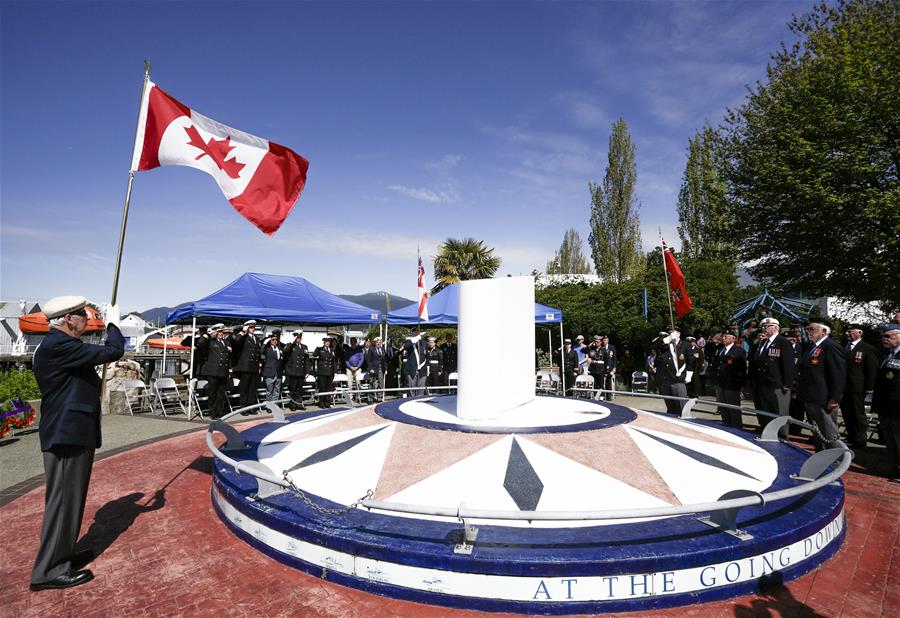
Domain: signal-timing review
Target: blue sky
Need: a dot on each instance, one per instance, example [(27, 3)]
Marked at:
[(421, 121)]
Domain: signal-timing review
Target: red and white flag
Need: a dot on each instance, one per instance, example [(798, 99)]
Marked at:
[(423, 293), (680, 298), (261, 179)]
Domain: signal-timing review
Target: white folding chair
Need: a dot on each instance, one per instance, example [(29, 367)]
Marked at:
[(340, 386), (584, 381), (453, 378), (640, 381), (233, 394), (200, 393), (168, 396), (138, 397)]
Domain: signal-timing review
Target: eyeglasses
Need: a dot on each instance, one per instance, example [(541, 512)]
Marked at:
[(811, 328), (82, 312)]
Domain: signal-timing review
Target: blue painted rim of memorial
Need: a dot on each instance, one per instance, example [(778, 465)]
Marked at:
[(618, 415), (607, 551)]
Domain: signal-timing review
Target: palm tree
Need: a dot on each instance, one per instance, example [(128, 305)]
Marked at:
[(462, 260)]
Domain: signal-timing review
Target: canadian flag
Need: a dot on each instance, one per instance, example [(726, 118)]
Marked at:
[(423, 294), (261, 179), (680, 298)]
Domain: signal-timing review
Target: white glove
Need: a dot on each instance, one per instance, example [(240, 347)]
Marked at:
[(415, 339), (688, 375), (111, 314)]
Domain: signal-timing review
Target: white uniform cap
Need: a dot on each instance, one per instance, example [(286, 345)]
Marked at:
[(579, 337), (61, 305), (768, 321), (250, 323), (297, 332)]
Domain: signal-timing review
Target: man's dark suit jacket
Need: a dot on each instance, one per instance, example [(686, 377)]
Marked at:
[(774, 368), (374, 360), (862, 365), (823, 372), (886, 396), (70, 387), (732, 368)]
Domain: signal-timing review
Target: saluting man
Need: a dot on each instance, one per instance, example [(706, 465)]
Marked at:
[(215, 370), (886, 396), (64, 367), (823, 372), (246, 348), (862, 365)]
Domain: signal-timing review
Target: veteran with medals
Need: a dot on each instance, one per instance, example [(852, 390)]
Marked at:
[(886, 396)]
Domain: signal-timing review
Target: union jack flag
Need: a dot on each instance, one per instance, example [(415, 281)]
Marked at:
[(423, 293)]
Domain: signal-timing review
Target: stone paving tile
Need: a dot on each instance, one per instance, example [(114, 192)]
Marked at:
[(165, 553)]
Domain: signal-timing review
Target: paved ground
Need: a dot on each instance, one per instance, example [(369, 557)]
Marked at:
[(163, 552)]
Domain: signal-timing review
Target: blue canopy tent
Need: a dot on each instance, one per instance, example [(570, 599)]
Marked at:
[(274, 298), (443, 310)]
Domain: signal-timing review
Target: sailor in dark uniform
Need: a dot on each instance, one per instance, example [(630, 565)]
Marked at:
[(886, 396), (326, 362), (64, 368), (449, 350), (215, 370), (296, 368), (434, 365)]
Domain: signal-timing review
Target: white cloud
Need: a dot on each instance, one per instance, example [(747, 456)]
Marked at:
[(445, 163), (584, 110), (425, 194)]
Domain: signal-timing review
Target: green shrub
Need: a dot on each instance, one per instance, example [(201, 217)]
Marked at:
[(18, 383)]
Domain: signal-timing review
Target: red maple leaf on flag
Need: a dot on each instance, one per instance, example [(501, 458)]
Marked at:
[(217, 149)]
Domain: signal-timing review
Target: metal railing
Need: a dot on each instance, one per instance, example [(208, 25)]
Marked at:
[(819, 470)]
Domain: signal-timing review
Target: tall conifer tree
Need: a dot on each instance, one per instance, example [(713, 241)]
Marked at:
[(704, 222), (615, 225)]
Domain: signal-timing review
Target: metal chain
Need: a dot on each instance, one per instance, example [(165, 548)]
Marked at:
[(322, 509)]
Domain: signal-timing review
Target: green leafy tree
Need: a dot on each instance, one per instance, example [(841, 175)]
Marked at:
[(462, 260), (705, 224), (814, 157), (615, 237), (569, 259)]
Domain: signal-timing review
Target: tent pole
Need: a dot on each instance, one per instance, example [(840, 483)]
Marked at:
[(550, 346), (191, 371), (562, 359)]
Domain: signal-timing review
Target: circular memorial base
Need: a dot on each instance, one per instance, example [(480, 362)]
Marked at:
[(554, 454)]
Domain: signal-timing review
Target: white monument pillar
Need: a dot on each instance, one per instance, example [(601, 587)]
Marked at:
[(496, 346)]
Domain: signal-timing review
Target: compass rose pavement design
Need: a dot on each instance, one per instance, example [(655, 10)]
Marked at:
[(652, 461)]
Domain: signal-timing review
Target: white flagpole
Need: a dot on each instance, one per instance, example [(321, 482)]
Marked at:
[(662, 245), (137, 131), (115, 286)]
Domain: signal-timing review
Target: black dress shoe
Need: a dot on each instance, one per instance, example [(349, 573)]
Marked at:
[(66, 580), (82, 558)]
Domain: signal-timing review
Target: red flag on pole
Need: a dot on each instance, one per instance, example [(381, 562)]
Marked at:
[(423, 293), (261, 179), (680, 297)]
